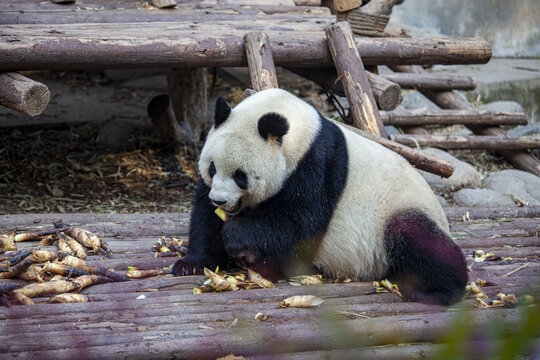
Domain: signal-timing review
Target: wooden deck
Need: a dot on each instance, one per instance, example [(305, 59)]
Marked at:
[(161, 318)]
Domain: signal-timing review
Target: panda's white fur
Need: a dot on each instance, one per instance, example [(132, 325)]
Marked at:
[(373, 216), (237, 144), (379, 183)]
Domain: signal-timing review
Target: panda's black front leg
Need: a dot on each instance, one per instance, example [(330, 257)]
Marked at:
[(264, 240), (206, 247)]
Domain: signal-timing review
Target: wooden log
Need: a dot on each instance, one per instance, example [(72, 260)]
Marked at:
[(453, 142), (421, 117), (166, 126), (164, 4), (387, 94), (280, 338), (432, 81), (351, 71), (451, 100), (187, 91), (468, 214), (417, 158), (307, 2), (144, 15), (68, 46), (23, 94), (260, 62)]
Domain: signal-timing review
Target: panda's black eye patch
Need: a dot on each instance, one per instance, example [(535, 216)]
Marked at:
[(240, 178), (212, 169)]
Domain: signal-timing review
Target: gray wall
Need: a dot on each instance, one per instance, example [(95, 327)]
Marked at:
[(511, 27)]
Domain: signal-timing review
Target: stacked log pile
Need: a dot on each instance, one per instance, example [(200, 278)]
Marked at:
[(209, 33), (370, 20)]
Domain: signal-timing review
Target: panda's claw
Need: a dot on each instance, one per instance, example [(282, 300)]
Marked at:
[(185, 267)]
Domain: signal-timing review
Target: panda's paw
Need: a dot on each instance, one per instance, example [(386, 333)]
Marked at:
[(241, 253), (186, 266)]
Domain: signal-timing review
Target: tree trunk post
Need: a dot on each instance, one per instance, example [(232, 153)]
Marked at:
[(354, 77), (260, 62), (23, 94), (187, 90)]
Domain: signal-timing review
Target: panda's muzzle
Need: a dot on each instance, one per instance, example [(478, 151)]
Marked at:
[(233, 210)]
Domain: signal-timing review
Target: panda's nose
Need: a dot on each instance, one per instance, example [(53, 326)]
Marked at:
[(218, 202)]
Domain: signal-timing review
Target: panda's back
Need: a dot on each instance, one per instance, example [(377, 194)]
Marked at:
[(379, 184)]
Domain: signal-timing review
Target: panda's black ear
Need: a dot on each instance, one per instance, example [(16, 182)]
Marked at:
[(273, 126), (223, 110)]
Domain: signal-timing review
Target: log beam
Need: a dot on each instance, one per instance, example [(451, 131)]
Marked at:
[(432, 81), (83, 46), (387, 94), (353, 75), (421, 117), (260, 62), (23, 94), (454, 142), (451, 100)]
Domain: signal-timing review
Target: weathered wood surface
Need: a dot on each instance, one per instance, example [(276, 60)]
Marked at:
[(180, 13), (451, 100), (161, 318), (23, 94), (161, 112), (189, 98), (387, 94), (450, 142), (262, 70), (216, 43), (421, 117), (432, 81), (352, 74)]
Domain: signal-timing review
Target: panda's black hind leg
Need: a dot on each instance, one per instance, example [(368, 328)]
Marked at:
[(425, 262)]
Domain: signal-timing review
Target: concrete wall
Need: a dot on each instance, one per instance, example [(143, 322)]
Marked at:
[(511, 27)]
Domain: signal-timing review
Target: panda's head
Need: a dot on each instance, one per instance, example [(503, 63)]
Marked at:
[(252, 149)]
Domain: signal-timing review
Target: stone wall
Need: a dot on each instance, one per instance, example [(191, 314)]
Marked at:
[(511, 27)]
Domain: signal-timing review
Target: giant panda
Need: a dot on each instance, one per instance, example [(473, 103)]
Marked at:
[(304, 194)]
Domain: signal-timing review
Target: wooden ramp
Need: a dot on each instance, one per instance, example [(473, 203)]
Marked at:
[(160, 318)]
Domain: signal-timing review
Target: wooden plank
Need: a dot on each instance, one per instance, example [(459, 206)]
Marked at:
[(352, 73), (23, 94), (259, 338), (465, 214), (469, 142), (260, 62), (421, 117), (170, 45)]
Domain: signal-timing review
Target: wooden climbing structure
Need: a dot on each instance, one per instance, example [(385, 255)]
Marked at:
[(160, 317)]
